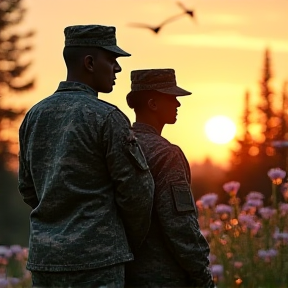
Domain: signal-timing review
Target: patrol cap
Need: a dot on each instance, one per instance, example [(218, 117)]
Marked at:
[(162, 80), (93, 36)]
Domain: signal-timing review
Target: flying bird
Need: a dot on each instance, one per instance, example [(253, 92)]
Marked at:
[(155, 29), (186, 11)]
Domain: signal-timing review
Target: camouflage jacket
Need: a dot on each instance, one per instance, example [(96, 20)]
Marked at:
[(175, 253), (80, 168)]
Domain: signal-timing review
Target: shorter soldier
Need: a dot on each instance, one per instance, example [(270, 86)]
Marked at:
[(82, 172), (175, 253)]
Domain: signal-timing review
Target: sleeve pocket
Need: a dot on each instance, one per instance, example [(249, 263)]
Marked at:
[(183, 198)]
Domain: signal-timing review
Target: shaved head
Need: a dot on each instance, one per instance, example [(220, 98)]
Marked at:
[(73, 56)]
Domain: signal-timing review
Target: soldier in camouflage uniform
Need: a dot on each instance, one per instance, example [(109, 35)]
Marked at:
[(83, 172), (175, 253)]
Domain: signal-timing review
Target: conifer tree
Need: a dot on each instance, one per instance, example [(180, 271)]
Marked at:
[(281, 139), (246, 141), (268, 118), (13, 69), (256, 153)]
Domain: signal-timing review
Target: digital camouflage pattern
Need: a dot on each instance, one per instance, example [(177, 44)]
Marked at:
[(175, 253), (93, 36), (80, 169), (105, 277)]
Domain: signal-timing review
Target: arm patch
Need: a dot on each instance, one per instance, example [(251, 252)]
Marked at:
[(182, 197)]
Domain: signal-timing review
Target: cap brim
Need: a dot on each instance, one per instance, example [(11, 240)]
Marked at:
[(117, 50), (175, 90)]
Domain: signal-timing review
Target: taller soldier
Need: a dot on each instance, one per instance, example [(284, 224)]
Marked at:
[(82, 172)]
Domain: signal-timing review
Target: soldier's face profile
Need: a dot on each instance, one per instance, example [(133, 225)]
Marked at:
[(105, 68), (167, 108)]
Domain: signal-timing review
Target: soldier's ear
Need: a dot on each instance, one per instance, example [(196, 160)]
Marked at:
[(89, 63), (152, 104)]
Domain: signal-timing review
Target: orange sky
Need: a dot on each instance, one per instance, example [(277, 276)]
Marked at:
[(218, 57)]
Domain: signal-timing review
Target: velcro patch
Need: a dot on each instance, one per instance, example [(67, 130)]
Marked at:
[(183, 197)]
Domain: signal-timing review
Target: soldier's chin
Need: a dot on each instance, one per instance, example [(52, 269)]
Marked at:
[(107, 90), (172, 121)]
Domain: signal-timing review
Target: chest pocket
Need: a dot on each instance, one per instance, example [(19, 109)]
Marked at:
[(183, 197)]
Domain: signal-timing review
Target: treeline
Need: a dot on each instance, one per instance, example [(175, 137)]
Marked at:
[(258, 151), (267, 148)]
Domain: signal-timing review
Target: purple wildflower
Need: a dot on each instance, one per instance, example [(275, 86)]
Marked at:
[(223, 208), (216, 225), (280, 235), (267, 212), (13, 281), (254, 203), (267, 253), (249, 222), (231, 187), (3, 283), (283, 208), (15, 249), (243, 218), (209, 200), (276, 175), (254, 195), (5, 252), (212, 258), (217, 270)]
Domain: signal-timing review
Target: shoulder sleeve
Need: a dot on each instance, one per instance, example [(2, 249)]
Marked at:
[(25, 182), (131, 176), (177, 213)]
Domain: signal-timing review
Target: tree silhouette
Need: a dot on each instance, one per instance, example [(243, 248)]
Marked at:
[(13, 47), (14, 66), (282, 137), (256, 153), (246, 144)]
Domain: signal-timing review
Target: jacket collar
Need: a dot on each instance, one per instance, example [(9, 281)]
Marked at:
[(144, 128), (76, 86)]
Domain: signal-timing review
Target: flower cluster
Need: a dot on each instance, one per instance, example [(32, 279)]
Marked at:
[(248, 242), (12, 267)]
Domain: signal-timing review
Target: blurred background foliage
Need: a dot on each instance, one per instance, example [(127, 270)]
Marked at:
[(15, 45)]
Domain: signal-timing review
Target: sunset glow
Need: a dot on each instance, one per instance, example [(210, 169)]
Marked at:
[(217, 58)]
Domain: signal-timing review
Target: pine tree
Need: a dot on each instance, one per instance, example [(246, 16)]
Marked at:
[(270, 121), (13, 46), (281, 139), (256, 153), (245, 143)]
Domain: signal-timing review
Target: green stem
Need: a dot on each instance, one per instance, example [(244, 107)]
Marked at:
[(274, 196)]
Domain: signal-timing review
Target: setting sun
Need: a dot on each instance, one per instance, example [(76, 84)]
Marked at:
[(220, 129)]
